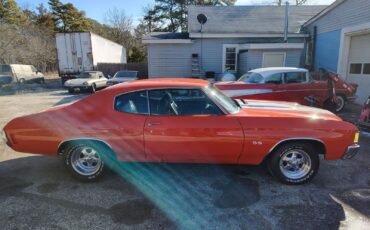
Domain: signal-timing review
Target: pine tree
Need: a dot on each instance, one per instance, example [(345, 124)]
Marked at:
[(67, 18), (10, 12)]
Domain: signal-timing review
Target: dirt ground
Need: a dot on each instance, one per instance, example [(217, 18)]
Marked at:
[(36, 192)]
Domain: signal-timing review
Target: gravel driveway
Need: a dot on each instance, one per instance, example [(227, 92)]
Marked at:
[(36, 192)]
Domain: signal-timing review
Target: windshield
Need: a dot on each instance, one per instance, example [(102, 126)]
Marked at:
[(221, 99), (253, 78), (128, 74), (85, 75)]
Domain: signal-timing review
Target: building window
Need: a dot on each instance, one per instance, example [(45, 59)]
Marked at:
[(355, 68), (230, 58), (366, 68)]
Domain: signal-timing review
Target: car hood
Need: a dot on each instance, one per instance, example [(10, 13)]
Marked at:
[(284, 109), (78, 81)]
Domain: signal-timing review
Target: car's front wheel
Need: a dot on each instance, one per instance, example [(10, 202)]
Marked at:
[(294, 163), (84, 161), (93, 88)]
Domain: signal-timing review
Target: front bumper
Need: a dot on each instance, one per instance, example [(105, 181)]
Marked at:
[(76, 87), (352, 150), (4, 137)]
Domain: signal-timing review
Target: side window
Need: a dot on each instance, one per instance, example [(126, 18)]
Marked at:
[(181, 102), (276, 78), (135, 102), (33, 69), (295, 77)]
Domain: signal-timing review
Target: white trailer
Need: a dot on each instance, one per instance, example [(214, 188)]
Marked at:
[(82, 51)]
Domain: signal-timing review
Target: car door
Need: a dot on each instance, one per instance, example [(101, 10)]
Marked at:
[(301, 90), (130, 113), (186, 126)]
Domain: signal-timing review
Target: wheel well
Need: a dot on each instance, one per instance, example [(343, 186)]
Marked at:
[(63, 145), (343, 95), (317, 144)]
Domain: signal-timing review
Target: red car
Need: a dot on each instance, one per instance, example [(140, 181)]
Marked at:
[(288, 84), (183, 120)]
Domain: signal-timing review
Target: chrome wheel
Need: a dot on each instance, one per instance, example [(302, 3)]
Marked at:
[(340, 103), (295, 164), (86, 161)]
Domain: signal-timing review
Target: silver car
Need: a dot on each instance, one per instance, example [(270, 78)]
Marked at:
[(87, 81), (123, 76)]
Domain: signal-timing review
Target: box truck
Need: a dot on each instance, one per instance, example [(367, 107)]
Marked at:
[(82, 51)]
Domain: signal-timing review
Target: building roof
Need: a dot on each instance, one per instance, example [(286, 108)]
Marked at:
[(250, 19), (324, 12)]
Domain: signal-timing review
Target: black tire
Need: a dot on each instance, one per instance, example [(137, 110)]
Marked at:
[(93, 88), (41, 80), (71, 91), (285, 170), (74, 151)]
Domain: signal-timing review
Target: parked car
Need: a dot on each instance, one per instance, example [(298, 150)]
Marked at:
[(88, 80), (187, 121), (364, 121), (288, 84), (123, 76), (19, 73)]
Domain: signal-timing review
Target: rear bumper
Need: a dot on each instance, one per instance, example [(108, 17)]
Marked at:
[(352, 150)]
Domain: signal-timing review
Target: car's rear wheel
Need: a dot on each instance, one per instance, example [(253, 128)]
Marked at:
[(84, 161), (340, 103), (294, 163)]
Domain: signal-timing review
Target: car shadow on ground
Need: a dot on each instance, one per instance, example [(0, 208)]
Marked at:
[(68, 97), (170, 196)]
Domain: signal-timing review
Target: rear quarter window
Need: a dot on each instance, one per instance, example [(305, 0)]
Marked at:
[(135, 103)]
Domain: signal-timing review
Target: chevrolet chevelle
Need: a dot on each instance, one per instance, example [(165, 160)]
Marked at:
[(187, 121)]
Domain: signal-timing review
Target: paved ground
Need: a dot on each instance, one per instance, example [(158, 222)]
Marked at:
[(36, 192)]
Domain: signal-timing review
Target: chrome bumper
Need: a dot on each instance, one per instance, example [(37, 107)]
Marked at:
[(352, 150)]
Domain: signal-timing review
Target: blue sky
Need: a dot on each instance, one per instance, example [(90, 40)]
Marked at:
[(96, 9)]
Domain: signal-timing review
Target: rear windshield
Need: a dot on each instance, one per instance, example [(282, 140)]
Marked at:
[(86, 75)]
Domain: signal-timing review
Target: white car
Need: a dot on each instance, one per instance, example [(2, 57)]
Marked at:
[(123, 76), (87, 81)]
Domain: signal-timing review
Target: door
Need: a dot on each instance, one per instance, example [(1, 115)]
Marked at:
[(273, 60), (359, 65), (186, 126), (300, 89), (127, 122)]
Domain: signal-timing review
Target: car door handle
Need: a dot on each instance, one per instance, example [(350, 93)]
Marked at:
[(153, 123)]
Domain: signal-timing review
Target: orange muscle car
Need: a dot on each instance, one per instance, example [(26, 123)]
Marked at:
[(183, 120)]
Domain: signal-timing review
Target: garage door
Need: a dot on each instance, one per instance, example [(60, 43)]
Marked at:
[(359, 65), (273, 59)]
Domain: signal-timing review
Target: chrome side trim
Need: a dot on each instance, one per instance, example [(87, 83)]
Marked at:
[(83, 138), (296, 139)]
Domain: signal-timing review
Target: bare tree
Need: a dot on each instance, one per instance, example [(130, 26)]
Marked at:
[(121, 27), (297, 2)]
